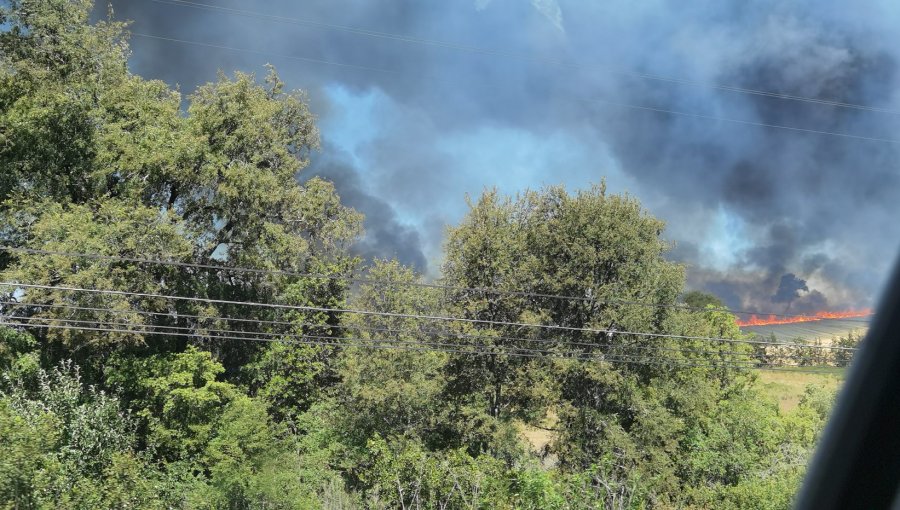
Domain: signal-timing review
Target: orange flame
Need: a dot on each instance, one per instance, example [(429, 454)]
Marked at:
[(756, 320)]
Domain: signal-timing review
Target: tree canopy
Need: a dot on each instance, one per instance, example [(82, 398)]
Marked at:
[(138, 224)]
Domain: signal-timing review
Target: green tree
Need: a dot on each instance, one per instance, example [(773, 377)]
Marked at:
[(402, 474), (13, 345), (606, 253), (177, 397), (396, 388), (699, 300), (27, 461), (651, 403), (67, 446), (251, 467), (95, 159), (844, 355)]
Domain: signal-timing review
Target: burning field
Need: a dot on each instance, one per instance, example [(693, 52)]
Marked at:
[(822, 325), (768, 320)]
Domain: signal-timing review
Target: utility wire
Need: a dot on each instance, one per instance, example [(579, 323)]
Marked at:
[(363, 312), (429, 332), (584, 100), (339, 341), (148, 329), (369, 281), (372, 344), (506, 349), (744, 122), (266, 53), (517, 55), (266, 334), (294, 273)]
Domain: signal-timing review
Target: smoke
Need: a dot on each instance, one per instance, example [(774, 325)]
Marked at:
[(789, 289), (748, 205), (386, 236), (551, 10)]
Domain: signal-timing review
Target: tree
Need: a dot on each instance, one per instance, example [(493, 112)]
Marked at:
[(606, 253), (392, 391), (97, 160), (177, 397), (250, 467), (202, 400), (65, 445), (764, 350), (13, 346), (699, 299), (402, 474), (844, 354)]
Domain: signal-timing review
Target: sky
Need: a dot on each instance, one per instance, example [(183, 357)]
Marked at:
[(775, 203)]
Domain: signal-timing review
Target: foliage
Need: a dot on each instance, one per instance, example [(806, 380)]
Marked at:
[(178, 399), (66, 445), (699, 299), (843, 356), (130, 398)]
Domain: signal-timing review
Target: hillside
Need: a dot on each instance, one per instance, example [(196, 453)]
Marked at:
[(824, 329)]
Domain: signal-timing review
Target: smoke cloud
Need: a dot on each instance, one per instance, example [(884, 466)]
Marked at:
[(386, 237), (789, 289), (764, 217)]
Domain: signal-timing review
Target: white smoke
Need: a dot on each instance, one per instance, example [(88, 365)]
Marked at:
[(551, 10)]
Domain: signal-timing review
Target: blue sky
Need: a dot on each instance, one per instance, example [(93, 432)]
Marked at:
[(519, 94)]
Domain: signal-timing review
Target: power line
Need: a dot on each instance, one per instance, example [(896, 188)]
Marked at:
[(744, 122), (220, 333), (281, 272), (517, 55), (615, 103), (430, 332), (364, 312), (373, 345), (340, 341), (370, 281), (265, 334), (297, 273), (265, 53), (337, 310)]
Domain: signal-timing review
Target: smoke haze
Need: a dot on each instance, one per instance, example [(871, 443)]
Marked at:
[(766, 218)]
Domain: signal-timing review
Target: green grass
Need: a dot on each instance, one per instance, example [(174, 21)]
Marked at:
[(786, 387)]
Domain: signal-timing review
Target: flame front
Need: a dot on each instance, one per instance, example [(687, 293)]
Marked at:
[(766, 320)]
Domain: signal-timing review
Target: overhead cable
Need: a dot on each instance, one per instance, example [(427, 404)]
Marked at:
[(431, 332), (372, 344), (269, 334), (376, 282), (363, 312), (517, 55)]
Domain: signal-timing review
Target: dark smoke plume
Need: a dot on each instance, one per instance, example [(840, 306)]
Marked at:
[(748, 204), (386, 237), (789, 289)]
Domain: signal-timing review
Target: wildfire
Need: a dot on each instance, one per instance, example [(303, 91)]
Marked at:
[(765, 320)]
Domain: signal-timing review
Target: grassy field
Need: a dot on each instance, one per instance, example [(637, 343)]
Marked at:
[(786, 387)]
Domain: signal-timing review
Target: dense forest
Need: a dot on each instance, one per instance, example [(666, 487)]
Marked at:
[(181, 327)]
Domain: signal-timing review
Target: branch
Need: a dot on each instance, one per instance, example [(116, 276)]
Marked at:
[(222, 236)]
